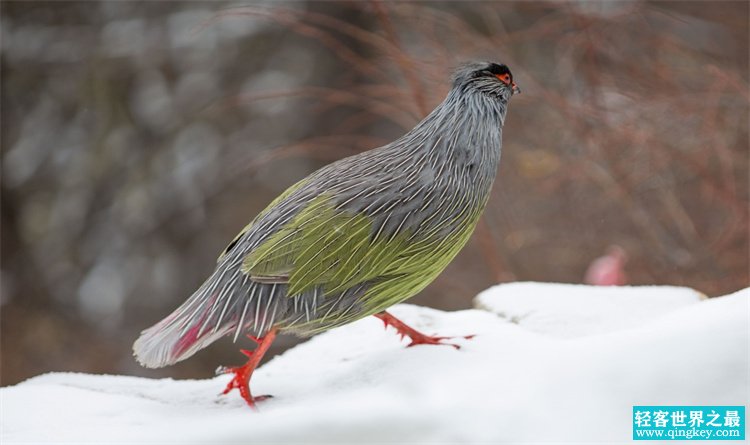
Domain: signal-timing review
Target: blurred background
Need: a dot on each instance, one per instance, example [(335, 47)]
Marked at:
[(139, 137)]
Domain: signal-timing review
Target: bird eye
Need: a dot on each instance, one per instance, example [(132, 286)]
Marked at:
[(504, 78)]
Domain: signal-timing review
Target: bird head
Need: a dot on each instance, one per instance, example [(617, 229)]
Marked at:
[(490, 78)]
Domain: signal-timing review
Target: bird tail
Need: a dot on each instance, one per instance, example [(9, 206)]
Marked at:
[(213, 311)]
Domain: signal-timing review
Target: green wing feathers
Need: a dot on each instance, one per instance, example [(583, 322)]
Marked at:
[(324, 246), (328, 247)]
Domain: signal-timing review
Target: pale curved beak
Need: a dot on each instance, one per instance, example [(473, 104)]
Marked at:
[(515, 89)]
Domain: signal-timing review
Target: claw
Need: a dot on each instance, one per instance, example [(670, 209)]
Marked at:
[(255, 339), (246, 353), (242, 374), (417, 338)]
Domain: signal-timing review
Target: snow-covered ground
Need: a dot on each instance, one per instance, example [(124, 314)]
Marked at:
[(549, 363)]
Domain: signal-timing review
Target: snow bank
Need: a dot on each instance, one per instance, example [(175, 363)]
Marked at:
[(574, 378), (576, 310)]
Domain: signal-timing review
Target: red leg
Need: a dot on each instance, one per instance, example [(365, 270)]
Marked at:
[(243, 373), (417, 338)]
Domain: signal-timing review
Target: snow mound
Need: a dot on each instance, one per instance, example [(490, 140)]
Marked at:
[(358, 384), (576, 310)]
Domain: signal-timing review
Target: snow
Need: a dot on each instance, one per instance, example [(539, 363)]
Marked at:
[(575, 310), (549, 362)]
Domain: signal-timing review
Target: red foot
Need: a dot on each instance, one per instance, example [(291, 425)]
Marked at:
[(417, 338), (242, 374)]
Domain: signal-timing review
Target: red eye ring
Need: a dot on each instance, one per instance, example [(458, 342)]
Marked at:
[(504, 78)]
